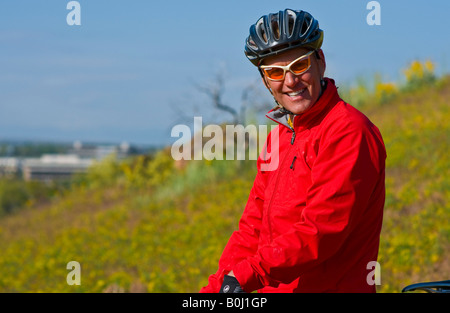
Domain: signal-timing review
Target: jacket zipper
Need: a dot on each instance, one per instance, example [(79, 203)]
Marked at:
[(293, 137), (276, 183), (295, 157), (293, 161)]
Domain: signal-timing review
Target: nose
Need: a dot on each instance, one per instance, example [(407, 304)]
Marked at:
[(290, 80)]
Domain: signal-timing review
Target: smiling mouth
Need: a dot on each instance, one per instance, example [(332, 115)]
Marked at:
[(297, 93)]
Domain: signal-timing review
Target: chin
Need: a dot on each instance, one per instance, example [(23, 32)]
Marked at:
[(298, 108)]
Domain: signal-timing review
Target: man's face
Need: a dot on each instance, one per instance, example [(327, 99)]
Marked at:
[(297, 93)]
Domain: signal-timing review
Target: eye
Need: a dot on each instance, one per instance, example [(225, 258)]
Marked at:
[(274, 72), (300, 66)]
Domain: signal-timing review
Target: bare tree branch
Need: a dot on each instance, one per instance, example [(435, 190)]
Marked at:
[(215, 93), (253, 100)]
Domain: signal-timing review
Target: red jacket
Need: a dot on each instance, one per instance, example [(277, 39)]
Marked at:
[(312, 223)]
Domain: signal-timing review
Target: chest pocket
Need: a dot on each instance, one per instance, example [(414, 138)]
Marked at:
[(307, 153), (298, 172)]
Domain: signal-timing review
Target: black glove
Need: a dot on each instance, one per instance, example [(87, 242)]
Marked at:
[(230, 285)]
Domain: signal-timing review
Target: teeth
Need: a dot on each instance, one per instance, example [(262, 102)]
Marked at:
[(296, 93)]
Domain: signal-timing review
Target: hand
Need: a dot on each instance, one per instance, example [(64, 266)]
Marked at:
[(230, 285)]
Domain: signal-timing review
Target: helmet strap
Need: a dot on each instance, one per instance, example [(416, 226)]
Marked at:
[(323, 86)]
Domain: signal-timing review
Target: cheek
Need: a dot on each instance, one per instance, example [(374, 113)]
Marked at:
[(308, 78), (312, 80), (276, 86)]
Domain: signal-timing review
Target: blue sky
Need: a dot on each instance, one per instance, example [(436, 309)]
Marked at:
[(118, 76)]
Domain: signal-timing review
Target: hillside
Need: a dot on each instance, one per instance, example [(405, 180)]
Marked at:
[(415, 239), (146, 225)]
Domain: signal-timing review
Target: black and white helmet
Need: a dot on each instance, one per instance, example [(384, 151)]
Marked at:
[(278, 32)]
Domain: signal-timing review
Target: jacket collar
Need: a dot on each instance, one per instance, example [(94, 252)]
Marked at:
[(325, 102)]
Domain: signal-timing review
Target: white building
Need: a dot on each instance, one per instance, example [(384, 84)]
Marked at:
[(99, 152), (51, 167), (9, 166)]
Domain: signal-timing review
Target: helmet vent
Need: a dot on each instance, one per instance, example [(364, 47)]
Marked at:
[(261, 31), (305, 25), (252, 43), (275, 26), (291, 22)]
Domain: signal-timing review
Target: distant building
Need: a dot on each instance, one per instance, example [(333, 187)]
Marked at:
[(9, 166), (51, 167), (99, 152)]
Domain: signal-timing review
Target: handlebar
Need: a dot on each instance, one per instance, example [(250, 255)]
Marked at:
[(430, 287)]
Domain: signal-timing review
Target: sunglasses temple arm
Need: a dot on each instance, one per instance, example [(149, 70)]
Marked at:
[(267, 85), (264, 78)]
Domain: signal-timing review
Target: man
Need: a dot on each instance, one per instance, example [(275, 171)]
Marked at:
[(313, 223)]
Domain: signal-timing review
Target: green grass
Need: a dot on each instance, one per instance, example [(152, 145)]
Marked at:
[(147, 225), (415, 241)]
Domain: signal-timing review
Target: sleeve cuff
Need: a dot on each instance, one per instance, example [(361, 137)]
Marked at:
[(246, 276)]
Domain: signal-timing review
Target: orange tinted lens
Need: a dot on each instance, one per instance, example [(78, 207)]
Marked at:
[(274, 73), (300, 66)]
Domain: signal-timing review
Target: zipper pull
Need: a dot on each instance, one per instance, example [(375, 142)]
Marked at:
[(293, 137), (293, 161)]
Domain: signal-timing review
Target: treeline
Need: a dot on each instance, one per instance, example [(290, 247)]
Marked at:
[(31, 149)]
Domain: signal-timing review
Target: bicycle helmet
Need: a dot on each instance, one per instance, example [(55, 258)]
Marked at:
[(278, 32)]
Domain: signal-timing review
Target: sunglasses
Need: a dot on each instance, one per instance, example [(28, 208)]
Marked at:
[(296, 67)]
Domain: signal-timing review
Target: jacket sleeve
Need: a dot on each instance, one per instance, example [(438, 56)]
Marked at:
[(244, 241), (343, 176)]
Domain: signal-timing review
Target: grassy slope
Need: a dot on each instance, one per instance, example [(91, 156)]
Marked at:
[(136, 232), (416, 234)]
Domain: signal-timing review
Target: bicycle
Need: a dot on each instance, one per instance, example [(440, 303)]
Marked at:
[(429, 287)]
